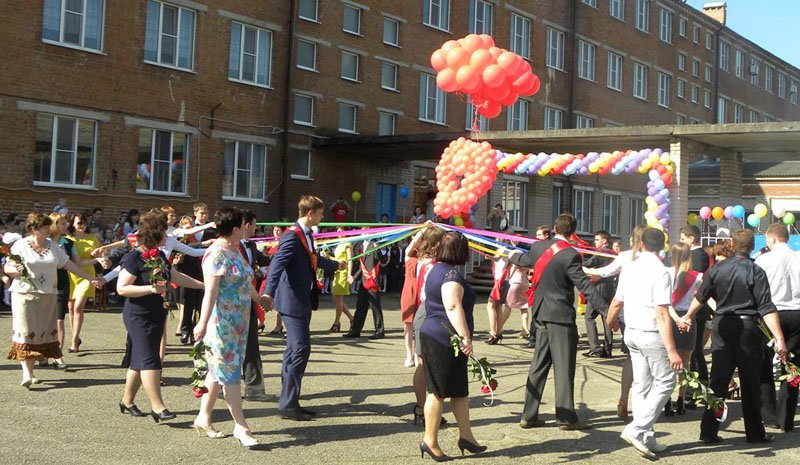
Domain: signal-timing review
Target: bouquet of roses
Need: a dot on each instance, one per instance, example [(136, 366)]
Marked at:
[(159, 273), (24, 275), (481, 368), (791, 372), (198, 384), (704, 394)]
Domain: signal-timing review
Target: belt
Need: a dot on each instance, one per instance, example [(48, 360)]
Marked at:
[(741, 317)]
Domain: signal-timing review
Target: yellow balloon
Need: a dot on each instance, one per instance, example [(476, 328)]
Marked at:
[(760, 210), (647, 164), (654, 157), (356, 196), (641, 169), (459, 221), (665, 159), (670, 169)]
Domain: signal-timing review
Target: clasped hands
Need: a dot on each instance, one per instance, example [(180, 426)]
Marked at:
[(684, 324)]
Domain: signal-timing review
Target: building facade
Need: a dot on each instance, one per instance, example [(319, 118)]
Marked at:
[(141, 103)]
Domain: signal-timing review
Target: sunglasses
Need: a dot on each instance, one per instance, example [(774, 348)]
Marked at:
[(79, 223)]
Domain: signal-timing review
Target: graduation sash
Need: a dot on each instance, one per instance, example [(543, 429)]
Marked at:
[(312, 257), (541, 264)]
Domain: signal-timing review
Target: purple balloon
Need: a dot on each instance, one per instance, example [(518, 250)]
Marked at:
[(584, 170), (652, 191), (664, 222), (728, 212), (658, 198)]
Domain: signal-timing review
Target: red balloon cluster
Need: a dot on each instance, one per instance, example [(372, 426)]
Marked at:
[(465, 172), (493, 77)]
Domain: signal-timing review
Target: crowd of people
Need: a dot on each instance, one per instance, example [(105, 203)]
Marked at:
[(224, 283)]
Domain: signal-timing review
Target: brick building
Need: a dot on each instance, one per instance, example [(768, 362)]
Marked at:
[(223, 101)]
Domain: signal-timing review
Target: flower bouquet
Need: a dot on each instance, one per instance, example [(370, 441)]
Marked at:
[(25, 274), (704, 394), (481, 368), (791, 372), (198, 384), (159, 272)]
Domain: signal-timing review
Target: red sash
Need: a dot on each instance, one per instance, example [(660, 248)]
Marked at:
[(689, 277), (423, 271), (370, 276), (312, 257), (496, 293), (541, 264)]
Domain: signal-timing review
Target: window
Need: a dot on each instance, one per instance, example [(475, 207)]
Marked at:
[(738, 113), (590, 2), (722, 110), (513, 200), (707, 98), (481, 123), (614, 71), (553, 118), (347, 118), (391, 32), (665, 26), (388, 76), (586, 58), (793, 91), (640, 81), (518, 116), (695, 121), (75, 23), (308, 9), (755, 68), (635, 213), (436, 14), (244, 174), (616, 8), (65, 151), (300, 163), (520, 35), (306, 55), (583, 122), (695, 93), (250, 55), (754, 116), (681, 88), (769, 72), (709, 41), (611, 213), (680, 119), (350, 66), (555, 49), (709, 74), (480, 17), (724, 55), (769, 118), (351, 21), (696, 34), (682, 61), (643, 15), (781, 85), (169, 35), (582, 207), (696, 67), (663, 89), (739, 63), (558, 200), (432, 100), (682, 26), (163, 157), (386, 123), (303, 110)]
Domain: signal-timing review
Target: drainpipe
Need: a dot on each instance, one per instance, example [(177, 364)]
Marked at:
[(573, 75), (715, 91), (287, 120)]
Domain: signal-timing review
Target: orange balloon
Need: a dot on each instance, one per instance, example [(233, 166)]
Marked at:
[(472, 42), (509, 62), (480, 59), (496, 52), (493, 76), (446, 80), (466, 77), (717, 213), (488, 41), (450, 44), (457, 57), (439, 60)]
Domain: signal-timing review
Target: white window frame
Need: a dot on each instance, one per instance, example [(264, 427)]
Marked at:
[(381, 116), (555, 49), (695, 93), (396, 23), (707, 98), (294, 151), (160, 36), (345, 8), (614, 72), (635, 212), (438, 100), (722, 110), (682, 61), (696, 67), (739, 64), (586, 60), (793, 90), (483, 122), (297, 61), (73, 153), (481, 16), (251, 153), (738, 113), (520, 35), (724, 55), (769, 73), (611, 214), (696, 34), (640, 80), (683, 24), (315, 19), (431, 19), (681, 89), (591, 3), (517, 116), (353, 120), (680, 119), (342, 74), (553, 118), (754, 116), (781, 85), (665, 25), (384, 66), (643, 15), (515, 206), (755, 65), (185, 168), (256, 63), (583, 214), (311, 99), (709, 41), (616, 9), (583, 122), (664, 83), (61, 40), (709, 73)]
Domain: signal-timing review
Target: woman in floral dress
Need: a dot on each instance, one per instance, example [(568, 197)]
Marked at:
[(223, 325)]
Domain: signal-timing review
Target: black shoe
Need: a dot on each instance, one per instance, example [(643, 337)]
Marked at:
[(424, 449), (526, 424), (597, 353), (578, 425), (185, 338), (379, 335), (711, 439), (306, 411), (691, 404), (766, 439), (351, 335), (163, 415), (680, 408), (295, 414), (133, 410), (256, 396), (463, 445), (668, 412), (529, 345)]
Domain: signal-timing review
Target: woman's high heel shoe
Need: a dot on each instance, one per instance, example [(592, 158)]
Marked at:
[(463, 445), (246, 440), (424, 449), (163, 415), (668, 412), (734, 390), (208, 431), (680, 407), (133, 410), (336, 327)]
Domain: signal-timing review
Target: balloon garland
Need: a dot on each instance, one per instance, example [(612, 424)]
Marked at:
[(737, 211)]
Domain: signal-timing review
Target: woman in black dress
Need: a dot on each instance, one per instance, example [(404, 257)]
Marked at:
[(144, 316), (449, 303)]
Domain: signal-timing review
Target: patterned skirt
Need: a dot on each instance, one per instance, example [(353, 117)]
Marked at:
[(35, 334)]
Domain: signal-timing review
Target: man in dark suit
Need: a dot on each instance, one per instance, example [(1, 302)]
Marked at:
[(292, 273), (554, 312), (252, 372), (192, 266), (367, 272), (606, 287), (690, 235)]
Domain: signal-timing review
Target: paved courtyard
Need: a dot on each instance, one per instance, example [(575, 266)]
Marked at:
[(362, 393)]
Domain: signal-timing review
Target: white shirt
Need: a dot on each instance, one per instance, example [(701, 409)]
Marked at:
[(783, 273), (614, 268), (683, 305), (643, 284)]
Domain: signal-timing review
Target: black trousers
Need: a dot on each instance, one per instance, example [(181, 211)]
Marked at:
[(192, 300), (591, 330), (252, 372), (698, 360), (556, 346), (736, 343), (780, 410), (364, 301)]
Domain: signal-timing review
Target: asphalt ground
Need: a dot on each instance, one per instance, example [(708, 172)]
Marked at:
[(362, 393)]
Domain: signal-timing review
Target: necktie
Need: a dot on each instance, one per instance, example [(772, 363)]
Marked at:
[(243, 252)]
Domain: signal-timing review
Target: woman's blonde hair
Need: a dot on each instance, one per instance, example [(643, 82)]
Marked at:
[(636, 239), (55, 218), (680, 257)]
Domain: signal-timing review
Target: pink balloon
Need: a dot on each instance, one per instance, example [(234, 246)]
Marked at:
[(496, 52), (488, 41), (705, 213), (480, 59), (509, 99), (535, 88), (493, 76), (450, 44), (446, 80), (466, 77), (457, 57), (523, 82), (490, 109), (439, 60), (497, 93), (509, 61), (472, 43)]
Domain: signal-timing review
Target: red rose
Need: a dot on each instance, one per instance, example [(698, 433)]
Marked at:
[(719, 411), (794, 382), (493, 384), (485, 389), (149, 254), (199, 391)]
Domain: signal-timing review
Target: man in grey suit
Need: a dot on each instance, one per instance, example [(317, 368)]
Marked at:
[(557, 269), (368, 270)]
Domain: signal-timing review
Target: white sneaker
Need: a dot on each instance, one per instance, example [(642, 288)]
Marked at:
[(655, 446), (638, 445)]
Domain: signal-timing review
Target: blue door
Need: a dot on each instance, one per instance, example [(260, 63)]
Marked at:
[(386, 202)]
